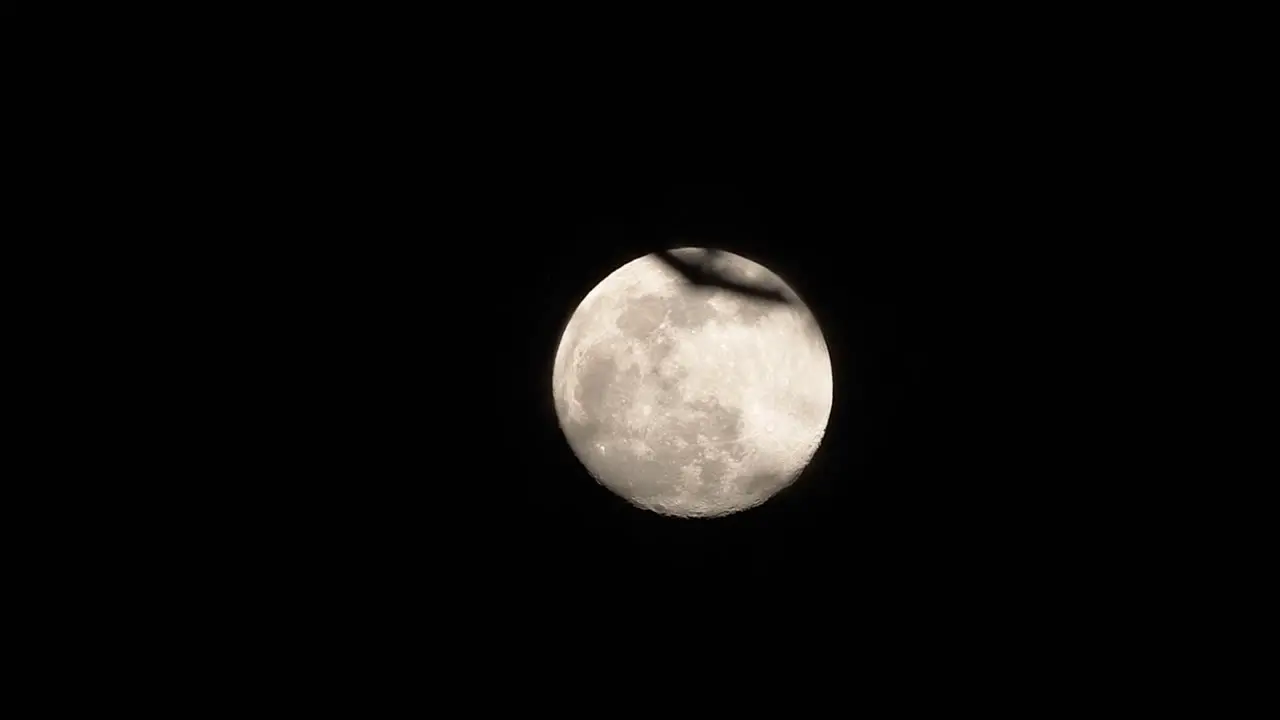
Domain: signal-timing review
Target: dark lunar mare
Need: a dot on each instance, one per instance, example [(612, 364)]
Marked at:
[(688, 309), (596, 380), (642, 316)]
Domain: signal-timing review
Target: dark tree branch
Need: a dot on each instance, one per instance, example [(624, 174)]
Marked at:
[(703, 274)]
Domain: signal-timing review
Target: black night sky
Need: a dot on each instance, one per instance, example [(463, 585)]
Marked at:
[(346, 245), (437, 441), (405, 261)]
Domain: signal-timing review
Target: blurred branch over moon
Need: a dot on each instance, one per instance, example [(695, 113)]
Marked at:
[(703, 273)]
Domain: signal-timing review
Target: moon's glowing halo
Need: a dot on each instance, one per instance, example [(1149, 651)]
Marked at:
[(688, 400)]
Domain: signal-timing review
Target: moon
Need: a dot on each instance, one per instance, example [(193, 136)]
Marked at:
[(691, 400)]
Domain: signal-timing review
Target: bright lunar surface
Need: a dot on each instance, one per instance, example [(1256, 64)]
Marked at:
[(692, 400)]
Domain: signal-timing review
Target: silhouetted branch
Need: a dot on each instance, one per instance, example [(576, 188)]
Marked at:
[(705, 274)]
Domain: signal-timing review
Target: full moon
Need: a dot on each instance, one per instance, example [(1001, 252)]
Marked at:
[(689, 399)]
